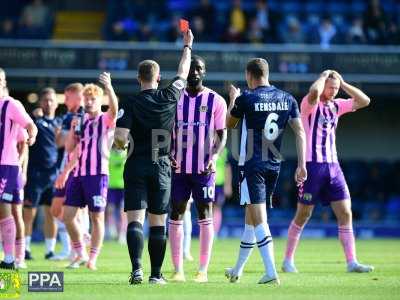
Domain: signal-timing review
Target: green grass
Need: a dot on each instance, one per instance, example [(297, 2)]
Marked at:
[(320, 262)]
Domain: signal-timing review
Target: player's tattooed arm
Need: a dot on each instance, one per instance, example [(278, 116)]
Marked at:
[(184, 64), (361, 100), (105, 80), (231, 121), (301, 171), (317, 88)]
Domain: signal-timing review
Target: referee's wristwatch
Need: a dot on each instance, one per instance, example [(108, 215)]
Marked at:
[(190, 48)]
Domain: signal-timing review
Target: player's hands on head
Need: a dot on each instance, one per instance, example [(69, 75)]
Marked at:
[(326, 73), (300, 175), (188, 38), (105, 80), (337, 76)]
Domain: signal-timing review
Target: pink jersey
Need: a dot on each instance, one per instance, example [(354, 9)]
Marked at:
[(22, 134), (320, 122), (12, 116), (196, 122), (95, 145)]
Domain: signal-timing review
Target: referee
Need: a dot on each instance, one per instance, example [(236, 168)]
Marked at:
[(149, 117)]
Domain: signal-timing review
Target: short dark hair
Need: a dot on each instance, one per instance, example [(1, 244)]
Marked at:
[(198, 58), (45, 91), (148, 70), (258, 68)]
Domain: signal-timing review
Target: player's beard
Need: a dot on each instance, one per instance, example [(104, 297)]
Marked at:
[(193, 81)]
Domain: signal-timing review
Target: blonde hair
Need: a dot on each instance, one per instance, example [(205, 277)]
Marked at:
[(91, 89), (148, 70)]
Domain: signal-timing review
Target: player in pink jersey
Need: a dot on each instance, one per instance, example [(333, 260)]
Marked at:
[(90, 181), (18, 197), (12, 114), (199, 138), (320, 113)]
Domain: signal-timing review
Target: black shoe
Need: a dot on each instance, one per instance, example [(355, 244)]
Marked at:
[(136, 277), (49, 255), (9, 266), (28, 255)]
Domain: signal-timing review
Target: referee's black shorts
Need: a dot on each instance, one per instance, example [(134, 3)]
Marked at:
[(148, 185)]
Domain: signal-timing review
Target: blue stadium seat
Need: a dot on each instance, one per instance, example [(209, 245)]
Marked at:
[(315, 7), (291, 7)]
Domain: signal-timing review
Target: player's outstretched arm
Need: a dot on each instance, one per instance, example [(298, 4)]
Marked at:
[(231, 121), (361, 100), (32, 133), (301, 171), (184, 64), (317, 88), (105, 80)]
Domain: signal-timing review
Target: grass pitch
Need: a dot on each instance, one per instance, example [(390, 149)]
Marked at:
[(320, 263)]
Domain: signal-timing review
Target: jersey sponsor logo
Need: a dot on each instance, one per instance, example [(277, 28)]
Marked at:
[(120, 113), (179, 84)]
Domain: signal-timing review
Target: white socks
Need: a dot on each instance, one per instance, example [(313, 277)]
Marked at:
[(266, 248), (28, 243), (247, 244)]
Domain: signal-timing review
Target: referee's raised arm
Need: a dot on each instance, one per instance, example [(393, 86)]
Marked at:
[(184, 65)]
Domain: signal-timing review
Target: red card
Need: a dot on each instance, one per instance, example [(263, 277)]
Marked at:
[(183, 25)]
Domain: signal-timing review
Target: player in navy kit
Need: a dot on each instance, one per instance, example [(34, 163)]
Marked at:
[(265, 111)]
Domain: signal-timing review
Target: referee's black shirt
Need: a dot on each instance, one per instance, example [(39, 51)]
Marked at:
[(148, 113)]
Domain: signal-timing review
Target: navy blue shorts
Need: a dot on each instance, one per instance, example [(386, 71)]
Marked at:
[(257, 184), (39, 187)]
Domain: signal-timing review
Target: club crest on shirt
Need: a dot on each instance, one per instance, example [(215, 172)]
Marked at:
[(203, 108), (307, 197)]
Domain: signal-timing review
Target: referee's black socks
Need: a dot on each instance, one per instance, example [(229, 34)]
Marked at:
[(135, 240), (157, 246)]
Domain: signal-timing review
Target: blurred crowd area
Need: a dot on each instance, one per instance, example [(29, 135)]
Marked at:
[(322, 22), (374, 188)]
